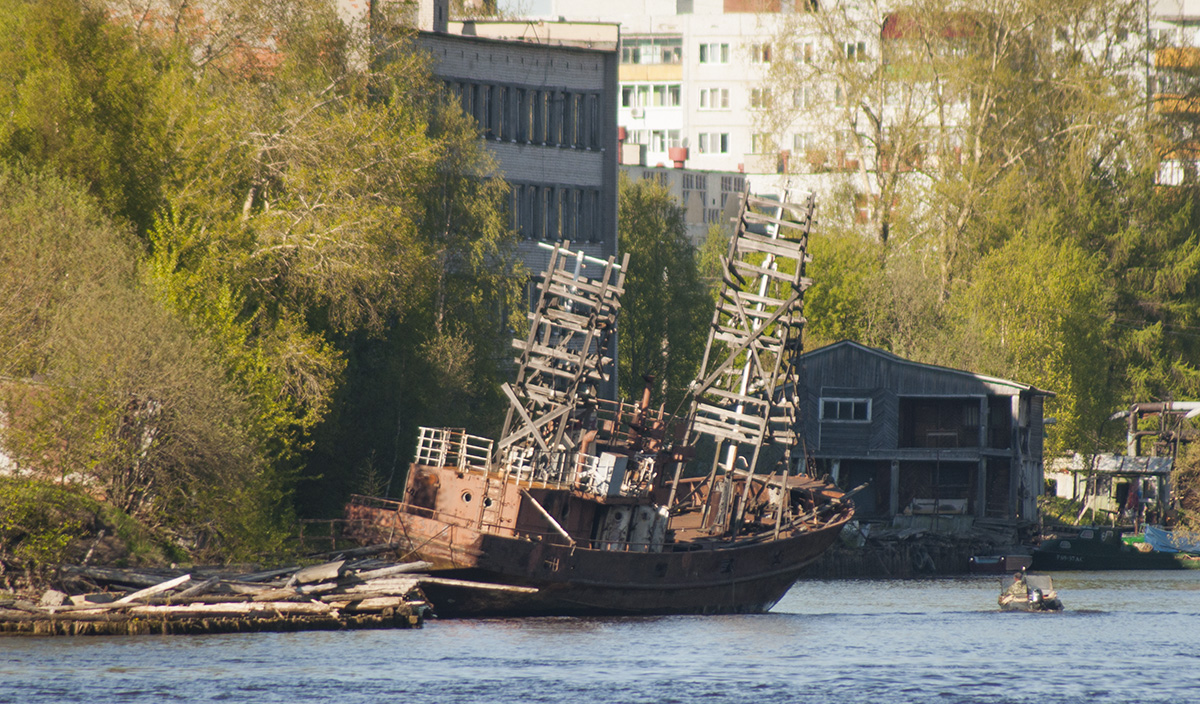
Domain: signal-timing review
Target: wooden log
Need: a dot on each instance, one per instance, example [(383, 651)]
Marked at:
[(250, 609), (263, 576), (151, 591), (446, 581), (382, 587), (393, 569), (369, 604), (278, 594), (318, 573), (199, 588), (109, 574), (243, 588)]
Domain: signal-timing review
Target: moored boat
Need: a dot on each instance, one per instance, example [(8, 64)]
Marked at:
[(999, 564), (1098, 549), (583, 506)]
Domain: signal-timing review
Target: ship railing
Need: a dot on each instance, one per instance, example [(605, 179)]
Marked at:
[(453, 447), (576, 470), (531, 466)]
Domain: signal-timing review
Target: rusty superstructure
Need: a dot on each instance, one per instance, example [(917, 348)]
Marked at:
[(587, 501)]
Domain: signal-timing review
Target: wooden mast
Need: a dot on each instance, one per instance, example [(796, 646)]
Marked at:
[(745, 396)]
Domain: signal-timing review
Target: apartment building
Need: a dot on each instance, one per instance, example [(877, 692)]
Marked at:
[(1173, 83), (694, 86)]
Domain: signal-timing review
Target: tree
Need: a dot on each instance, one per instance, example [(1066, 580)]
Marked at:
[(306, 206), (935, 112), (108, 391), (665, 306)]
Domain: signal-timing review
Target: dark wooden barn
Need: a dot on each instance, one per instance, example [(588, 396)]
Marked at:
[(926, 440)]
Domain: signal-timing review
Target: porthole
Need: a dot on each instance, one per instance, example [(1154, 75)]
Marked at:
[(467, 497), (487, 502)]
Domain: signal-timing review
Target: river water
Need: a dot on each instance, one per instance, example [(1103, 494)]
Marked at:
[(1124, 637)]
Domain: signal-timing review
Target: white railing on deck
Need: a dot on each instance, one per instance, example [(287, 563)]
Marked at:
[(453, 447)]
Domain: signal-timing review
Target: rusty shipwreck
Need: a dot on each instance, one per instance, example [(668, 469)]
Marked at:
[(589, 506)]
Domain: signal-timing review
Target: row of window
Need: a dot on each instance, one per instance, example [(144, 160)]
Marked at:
[(651, 50), (666, 95), (655, 140), (761, 53), (551, 212), (669, 95), (532, 115), (719, 142)]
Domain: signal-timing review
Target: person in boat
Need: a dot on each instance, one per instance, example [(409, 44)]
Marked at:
[(1019, 589)]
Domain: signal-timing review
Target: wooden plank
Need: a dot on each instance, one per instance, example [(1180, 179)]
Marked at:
[(564, 355), (151, 591), (529, 426), (594, 287), (742, 267), (486, 586), (318, 573), (199, 588), (392, 570), (800, 209), (564, 318), (778, 247), (743, 339), (601, 305), (736, 397), (732, 417), (536, 365), (759, 218)]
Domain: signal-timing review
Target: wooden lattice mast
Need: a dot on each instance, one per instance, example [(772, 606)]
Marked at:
[(563, 358), (746, 394)]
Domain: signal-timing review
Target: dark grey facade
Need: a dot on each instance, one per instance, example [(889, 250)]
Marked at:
[(923, 439), (547, 109)]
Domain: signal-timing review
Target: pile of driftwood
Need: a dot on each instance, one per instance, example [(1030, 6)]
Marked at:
[(344, 593)]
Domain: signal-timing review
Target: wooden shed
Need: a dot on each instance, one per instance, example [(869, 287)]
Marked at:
[(924, 439)]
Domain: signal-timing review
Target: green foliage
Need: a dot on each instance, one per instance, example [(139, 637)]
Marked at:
[(1037, 311), (127, 403), (38, 523), (665, 306), (76, 96), (1057, 510)]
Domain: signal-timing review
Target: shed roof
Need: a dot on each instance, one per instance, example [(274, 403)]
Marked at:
[(895, 359)]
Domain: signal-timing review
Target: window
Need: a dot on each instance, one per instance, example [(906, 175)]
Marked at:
[(660, 140), (804, 52), (854, 410), (760, 98), (647, 95), (651, 50), (714, 99), (714, 53), (714, 142), (760, 53), (761, 143), (802, 97), (856, 51), (802, 142)]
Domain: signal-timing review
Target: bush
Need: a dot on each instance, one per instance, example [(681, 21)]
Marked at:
[(38, 524)]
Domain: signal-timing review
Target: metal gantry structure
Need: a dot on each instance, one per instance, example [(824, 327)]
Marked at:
[(746, 395)]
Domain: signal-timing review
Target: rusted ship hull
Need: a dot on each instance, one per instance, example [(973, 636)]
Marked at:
[(573, 580)]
